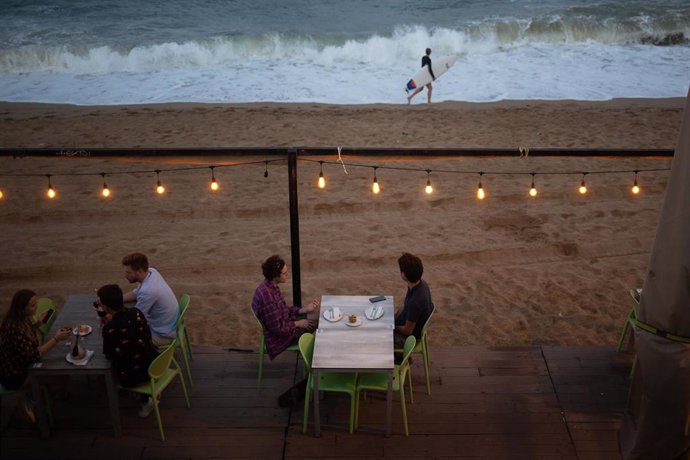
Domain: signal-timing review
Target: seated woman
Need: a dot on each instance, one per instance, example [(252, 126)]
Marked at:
[(19, 347), (127, 341), (283, 324)]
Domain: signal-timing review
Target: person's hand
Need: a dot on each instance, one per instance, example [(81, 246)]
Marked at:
[(302, 323), (311, 306), (63, 333)]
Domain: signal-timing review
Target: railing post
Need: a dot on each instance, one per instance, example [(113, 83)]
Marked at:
[(294, 228)]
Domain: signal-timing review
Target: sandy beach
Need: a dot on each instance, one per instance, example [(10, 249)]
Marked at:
[(509, 270)]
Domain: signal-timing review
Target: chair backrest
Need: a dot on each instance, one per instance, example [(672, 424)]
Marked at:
[(428, 320), (410, 343), (306, 348), (258, 322), (184, 303), (636, 301), (162, 362)]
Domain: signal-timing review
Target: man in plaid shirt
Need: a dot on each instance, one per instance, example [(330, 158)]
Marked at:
[(283, 324)]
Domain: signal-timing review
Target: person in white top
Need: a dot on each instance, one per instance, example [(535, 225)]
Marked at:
[(154, 298)]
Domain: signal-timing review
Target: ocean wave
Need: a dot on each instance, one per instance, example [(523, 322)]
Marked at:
[(404, 44)]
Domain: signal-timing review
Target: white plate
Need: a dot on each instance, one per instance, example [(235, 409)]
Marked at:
[(327, 315), (80, 362), (378, 310), (355, 324), (89, 329)]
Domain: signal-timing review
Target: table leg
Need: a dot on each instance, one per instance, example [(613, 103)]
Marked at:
[(113, 402), (40, 408), (389, 404), (317, 417)]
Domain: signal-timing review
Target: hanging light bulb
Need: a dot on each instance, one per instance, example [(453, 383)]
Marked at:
[(375, 185), (106, 191), (635, 188), (480, 190), (428, 189), (160, 189), (2, 195), (533, 188), (51, 191), (266, 170), (214, 183), (583, 185), (322, 181)]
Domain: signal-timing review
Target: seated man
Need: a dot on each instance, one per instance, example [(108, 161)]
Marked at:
[(126, 341), (154, 298), (282, 323), (417, 308)]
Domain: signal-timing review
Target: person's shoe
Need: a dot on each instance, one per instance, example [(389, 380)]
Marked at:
[(146, 409)]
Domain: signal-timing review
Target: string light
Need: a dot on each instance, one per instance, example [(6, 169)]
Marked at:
[(51, 191), (266, 170), (322, 181), (480, 190), (635, 188), (428, 189), (106, 191), (375, 185), (533, 188), (583, 185), (160, 189), (2, 195), (214, 183)]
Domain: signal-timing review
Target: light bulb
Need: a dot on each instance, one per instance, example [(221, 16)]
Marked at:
[(51, 192), (214, 185), (428, 189), (322, 181), (160, 189), (635, 188), (583, 186), (2, 195), (533, 189), (106, 191), (375, 187), (480, 192)]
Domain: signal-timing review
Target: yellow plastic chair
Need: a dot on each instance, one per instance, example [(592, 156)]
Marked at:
[(162, 374), (631, 319), (378, 381), (339, 382), (262, 350), (183, 338), (44, 304), (423, 348)]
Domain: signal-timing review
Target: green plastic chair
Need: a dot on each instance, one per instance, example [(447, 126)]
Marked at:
[(631, 319), (378, 381), (183, 338), (43, 304), (340, 382), (423, 348), (162, 374), (262, 350)]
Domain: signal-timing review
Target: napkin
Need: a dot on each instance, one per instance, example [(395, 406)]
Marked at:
[(336, 313), (81, 362)]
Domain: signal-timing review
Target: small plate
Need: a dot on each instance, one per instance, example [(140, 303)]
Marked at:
[(327, 316), (88, 331), (79, 362), (374, 312), (355, 324)]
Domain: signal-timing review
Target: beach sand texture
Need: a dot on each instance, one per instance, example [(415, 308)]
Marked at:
[(506, 271)]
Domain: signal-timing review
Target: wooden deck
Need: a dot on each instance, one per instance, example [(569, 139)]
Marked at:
[(487, 402)]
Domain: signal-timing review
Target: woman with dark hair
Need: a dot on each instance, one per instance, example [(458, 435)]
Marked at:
[(283, 324), (19, 347)]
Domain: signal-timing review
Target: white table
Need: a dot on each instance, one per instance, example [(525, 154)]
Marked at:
[(342, 348)]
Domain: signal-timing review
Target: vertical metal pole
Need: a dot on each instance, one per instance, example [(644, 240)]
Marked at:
[(294, 228)]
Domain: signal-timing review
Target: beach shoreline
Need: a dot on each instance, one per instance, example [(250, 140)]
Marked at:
[(509, 270)]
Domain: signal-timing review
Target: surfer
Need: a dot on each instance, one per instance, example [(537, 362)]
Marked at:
[(426, 61)]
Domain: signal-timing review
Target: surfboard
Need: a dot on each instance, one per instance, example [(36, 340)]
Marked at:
[(423, 77)]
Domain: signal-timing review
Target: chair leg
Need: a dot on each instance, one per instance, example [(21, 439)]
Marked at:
[(409, 380), (634, 364), (352, 412), (158, 416), (404, 409), (185, 358), (623, 334), (425, 355), (307, 397), (262, 350), (356, 409), (188, 345)]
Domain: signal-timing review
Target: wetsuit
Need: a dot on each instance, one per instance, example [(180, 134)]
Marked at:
[(426, 60)]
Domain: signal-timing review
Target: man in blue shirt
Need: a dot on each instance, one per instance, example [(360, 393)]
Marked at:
[(418, 306), (154, 298)]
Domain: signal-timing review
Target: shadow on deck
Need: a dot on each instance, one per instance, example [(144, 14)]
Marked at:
[(487, 402)]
